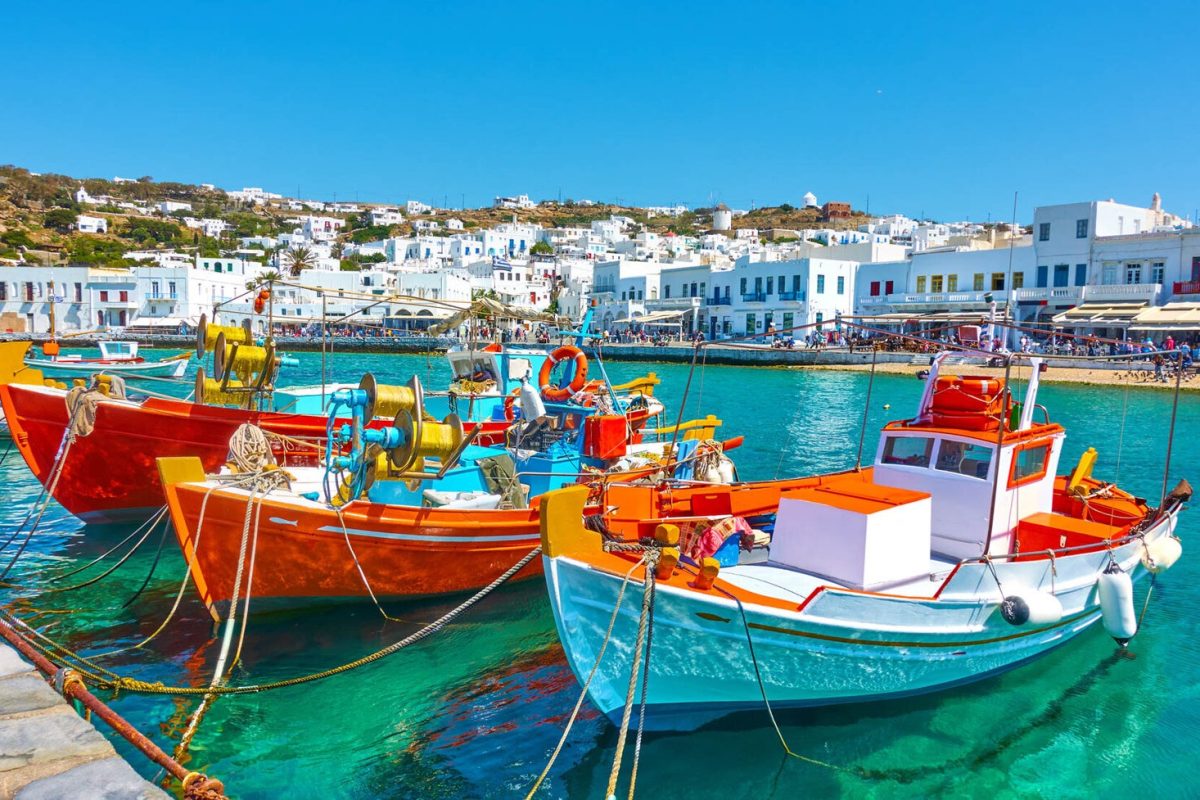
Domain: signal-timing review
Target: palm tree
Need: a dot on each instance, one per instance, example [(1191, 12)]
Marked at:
[(300, 259), (263, 279)]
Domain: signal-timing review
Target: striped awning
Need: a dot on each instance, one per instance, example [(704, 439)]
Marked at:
[(1171, 317), (1103, 314)]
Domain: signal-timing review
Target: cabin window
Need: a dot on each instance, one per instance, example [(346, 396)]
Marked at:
[(1029, 464), (910, 451), (973, 460)]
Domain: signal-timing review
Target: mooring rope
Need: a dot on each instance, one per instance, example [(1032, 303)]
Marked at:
[(612, 622), (155, 519), (637, 742), (651, 559), (121, 683)]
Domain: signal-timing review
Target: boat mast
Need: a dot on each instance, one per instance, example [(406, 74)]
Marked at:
[(50, 285), (324, 316)]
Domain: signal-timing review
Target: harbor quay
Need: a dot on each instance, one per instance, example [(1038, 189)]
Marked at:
[(49, 752)]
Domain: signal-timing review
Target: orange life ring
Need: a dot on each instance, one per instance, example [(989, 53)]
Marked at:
[(556, 394), (509, 414)]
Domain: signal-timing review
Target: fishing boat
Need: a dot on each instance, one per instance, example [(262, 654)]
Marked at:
[(408, 510), (13, 370), (116, 358), (108, 474), (959, 554)]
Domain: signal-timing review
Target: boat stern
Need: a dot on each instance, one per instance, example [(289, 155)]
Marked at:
[(174, 472)]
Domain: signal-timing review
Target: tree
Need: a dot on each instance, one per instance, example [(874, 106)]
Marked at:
[(300, 259), (60, 219), (263, 279), (541, 249)]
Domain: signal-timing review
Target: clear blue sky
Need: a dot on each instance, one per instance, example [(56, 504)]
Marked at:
[(945, 108)]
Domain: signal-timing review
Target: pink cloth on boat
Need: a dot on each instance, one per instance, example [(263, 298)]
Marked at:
[(700, 540)]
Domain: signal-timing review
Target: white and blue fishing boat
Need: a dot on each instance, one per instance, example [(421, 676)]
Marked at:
[(959, 554)]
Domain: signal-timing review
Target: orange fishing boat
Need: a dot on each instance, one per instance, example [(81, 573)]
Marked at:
[(304, 551)]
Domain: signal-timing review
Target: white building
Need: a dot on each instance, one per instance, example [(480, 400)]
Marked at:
[(320, 229), (85, 298), (810, 200), (1093, 264), (211, 228), (166, 207), (177, 294), (253, 195), (765, 297), (519, 201), (722, 218), (86, 224), (385, 216), (417, 207)]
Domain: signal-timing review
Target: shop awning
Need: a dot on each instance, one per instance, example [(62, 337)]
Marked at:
[(161, 322), (1100, 314), (899, 317), (1171, 317), (655, 317)]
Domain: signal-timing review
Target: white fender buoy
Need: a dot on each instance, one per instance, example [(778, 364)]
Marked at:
[(1031, 607), (725, 470), (1116, 603), (532, 406), (1161, 554)]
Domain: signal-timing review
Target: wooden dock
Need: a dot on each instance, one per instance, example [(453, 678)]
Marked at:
[(49, 752)]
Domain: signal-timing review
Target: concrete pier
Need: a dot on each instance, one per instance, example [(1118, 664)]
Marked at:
[(48, 752)]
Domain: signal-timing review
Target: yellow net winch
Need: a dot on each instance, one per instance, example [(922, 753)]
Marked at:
[(386, 400), (207, 333)]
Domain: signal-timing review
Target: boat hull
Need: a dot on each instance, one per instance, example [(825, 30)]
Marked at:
[(835, 647), (301, 553), (111, 474), (82, 369)]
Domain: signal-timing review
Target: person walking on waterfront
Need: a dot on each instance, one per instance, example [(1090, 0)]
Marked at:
[(1158, 368)]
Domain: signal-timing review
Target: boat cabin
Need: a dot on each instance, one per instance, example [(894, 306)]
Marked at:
[(983, 461), (503, 367), (118, 351)]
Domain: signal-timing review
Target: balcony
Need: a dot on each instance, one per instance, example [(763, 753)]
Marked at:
[(793, 296), (754, 297), (717, 301), (1126, 292), (1186, 287)]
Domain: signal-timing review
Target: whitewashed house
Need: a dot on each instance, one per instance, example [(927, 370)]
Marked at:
[(166, 207), (86, 224), (385, 216)]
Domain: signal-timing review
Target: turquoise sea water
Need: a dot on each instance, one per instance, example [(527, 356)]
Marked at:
[(474, 711)]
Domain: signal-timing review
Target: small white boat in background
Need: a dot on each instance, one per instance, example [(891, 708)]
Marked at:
[(958, 555), (116, 358)]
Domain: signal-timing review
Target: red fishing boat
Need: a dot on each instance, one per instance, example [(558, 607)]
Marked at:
[(109, 474)]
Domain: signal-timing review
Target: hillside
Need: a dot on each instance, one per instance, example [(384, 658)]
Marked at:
[(38, 211)]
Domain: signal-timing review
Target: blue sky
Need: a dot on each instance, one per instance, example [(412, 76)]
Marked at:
[(941, 108)]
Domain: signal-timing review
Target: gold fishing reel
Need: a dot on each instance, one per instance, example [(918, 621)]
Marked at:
[(386, 400), (206, 334), (208, 391), (421, 439), (252, 365)]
